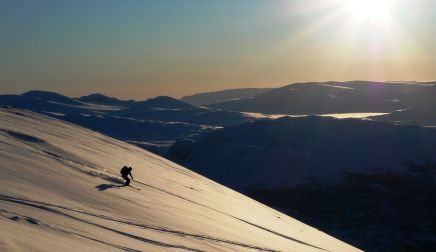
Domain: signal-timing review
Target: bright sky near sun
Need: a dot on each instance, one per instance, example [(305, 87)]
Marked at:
[(140, 49)]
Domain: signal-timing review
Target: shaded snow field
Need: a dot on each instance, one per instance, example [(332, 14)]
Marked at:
[(60, 191)]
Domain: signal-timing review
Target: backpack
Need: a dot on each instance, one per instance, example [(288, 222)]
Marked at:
[(124, 171)]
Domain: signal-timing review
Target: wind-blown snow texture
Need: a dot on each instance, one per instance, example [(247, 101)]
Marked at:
[(60, 191)]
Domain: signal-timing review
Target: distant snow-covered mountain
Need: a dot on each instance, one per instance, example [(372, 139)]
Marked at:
[(421, 115), (166, 102), (102, 99), (51, 97), (153, 124), (296, 151), (333, 97), (421, 108), (207, 98)]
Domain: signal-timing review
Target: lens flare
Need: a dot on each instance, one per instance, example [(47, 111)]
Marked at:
[(371, 10)]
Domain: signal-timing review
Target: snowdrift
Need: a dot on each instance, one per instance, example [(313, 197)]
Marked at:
[(60, 191)]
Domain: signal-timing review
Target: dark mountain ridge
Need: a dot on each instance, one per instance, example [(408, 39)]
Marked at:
[(332, 97), (294, 151), (202, 99), (154, 124)]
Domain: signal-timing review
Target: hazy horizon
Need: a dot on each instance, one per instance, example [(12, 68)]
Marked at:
[(200, 92), (142, 49)]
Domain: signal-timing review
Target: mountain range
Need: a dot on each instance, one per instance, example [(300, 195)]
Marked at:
[(153, 124), (336, 97), (383, 166), (289, 151), (206, 98)]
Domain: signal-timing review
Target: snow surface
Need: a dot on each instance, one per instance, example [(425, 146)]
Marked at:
[(334, 86), (338, 115), (60, 191)]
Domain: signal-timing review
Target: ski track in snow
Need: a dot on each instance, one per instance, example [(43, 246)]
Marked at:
[(239, 219), (54, 209), (18, 217), (51, 209)]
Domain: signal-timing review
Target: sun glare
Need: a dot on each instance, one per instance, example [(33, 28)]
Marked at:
[(369, 10)]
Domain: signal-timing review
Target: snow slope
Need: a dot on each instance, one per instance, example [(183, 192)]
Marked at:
[(59, 191)]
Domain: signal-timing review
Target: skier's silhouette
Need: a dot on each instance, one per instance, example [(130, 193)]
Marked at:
[(125, 171)]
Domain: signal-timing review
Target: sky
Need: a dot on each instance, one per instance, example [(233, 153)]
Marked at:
[(137, 49)]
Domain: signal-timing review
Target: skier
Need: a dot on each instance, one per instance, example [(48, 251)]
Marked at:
[(125, 171)]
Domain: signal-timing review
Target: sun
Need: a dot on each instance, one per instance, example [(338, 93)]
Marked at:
[(369, 10)]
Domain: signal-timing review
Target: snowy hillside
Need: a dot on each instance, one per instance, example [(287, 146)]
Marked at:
[(60, 191)]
